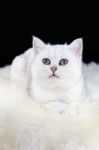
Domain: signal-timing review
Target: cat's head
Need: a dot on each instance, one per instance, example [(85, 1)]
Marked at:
[(55, 65)]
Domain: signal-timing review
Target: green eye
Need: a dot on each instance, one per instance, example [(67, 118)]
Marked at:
[(63, 62), (46, 61)]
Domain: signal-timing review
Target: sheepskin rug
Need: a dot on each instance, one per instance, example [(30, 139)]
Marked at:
[(26, 124)]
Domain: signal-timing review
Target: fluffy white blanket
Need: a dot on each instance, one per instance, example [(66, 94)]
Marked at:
[(28, 125)]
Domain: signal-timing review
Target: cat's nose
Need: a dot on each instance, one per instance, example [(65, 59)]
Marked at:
[(53, 68)]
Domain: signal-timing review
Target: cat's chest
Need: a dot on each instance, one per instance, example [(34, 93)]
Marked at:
[(52, 95), (59, 94)]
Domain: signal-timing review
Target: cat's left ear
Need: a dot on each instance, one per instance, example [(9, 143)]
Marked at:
[(77, 47), (37, 44)]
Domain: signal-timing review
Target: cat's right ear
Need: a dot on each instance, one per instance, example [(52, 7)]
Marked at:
[(37, 44)]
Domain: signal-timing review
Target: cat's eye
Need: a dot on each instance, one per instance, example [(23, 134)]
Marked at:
[(46, 61), (63, 62)]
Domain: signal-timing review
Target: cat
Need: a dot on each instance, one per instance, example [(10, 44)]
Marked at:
[(47, 100), (67, 86), (55, 90)]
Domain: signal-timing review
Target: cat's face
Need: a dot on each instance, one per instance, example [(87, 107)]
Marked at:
[(56, 64)]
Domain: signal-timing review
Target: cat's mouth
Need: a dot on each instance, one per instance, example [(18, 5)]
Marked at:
[(53, 76)]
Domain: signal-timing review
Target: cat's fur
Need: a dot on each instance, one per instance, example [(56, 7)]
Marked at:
[(38, 112)]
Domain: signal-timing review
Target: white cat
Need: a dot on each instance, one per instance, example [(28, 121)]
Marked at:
[(42, 89), (58, 83), (67, 87)]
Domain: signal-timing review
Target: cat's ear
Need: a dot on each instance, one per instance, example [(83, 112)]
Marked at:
[(37, 44), (77, 47)]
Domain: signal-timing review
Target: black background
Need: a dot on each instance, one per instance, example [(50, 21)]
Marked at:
[(54, 22)]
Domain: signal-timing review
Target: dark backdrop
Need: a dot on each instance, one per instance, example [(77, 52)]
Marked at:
[(55, 22)]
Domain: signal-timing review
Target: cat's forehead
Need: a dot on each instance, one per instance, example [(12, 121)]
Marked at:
[(56, 51)]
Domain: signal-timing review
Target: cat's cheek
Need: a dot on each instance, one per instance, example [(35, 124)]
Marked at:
[(61, 73), (43, 75)]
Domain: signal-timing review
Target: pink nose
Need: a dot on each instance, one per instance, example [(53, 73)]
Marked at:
[(53, 69)]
